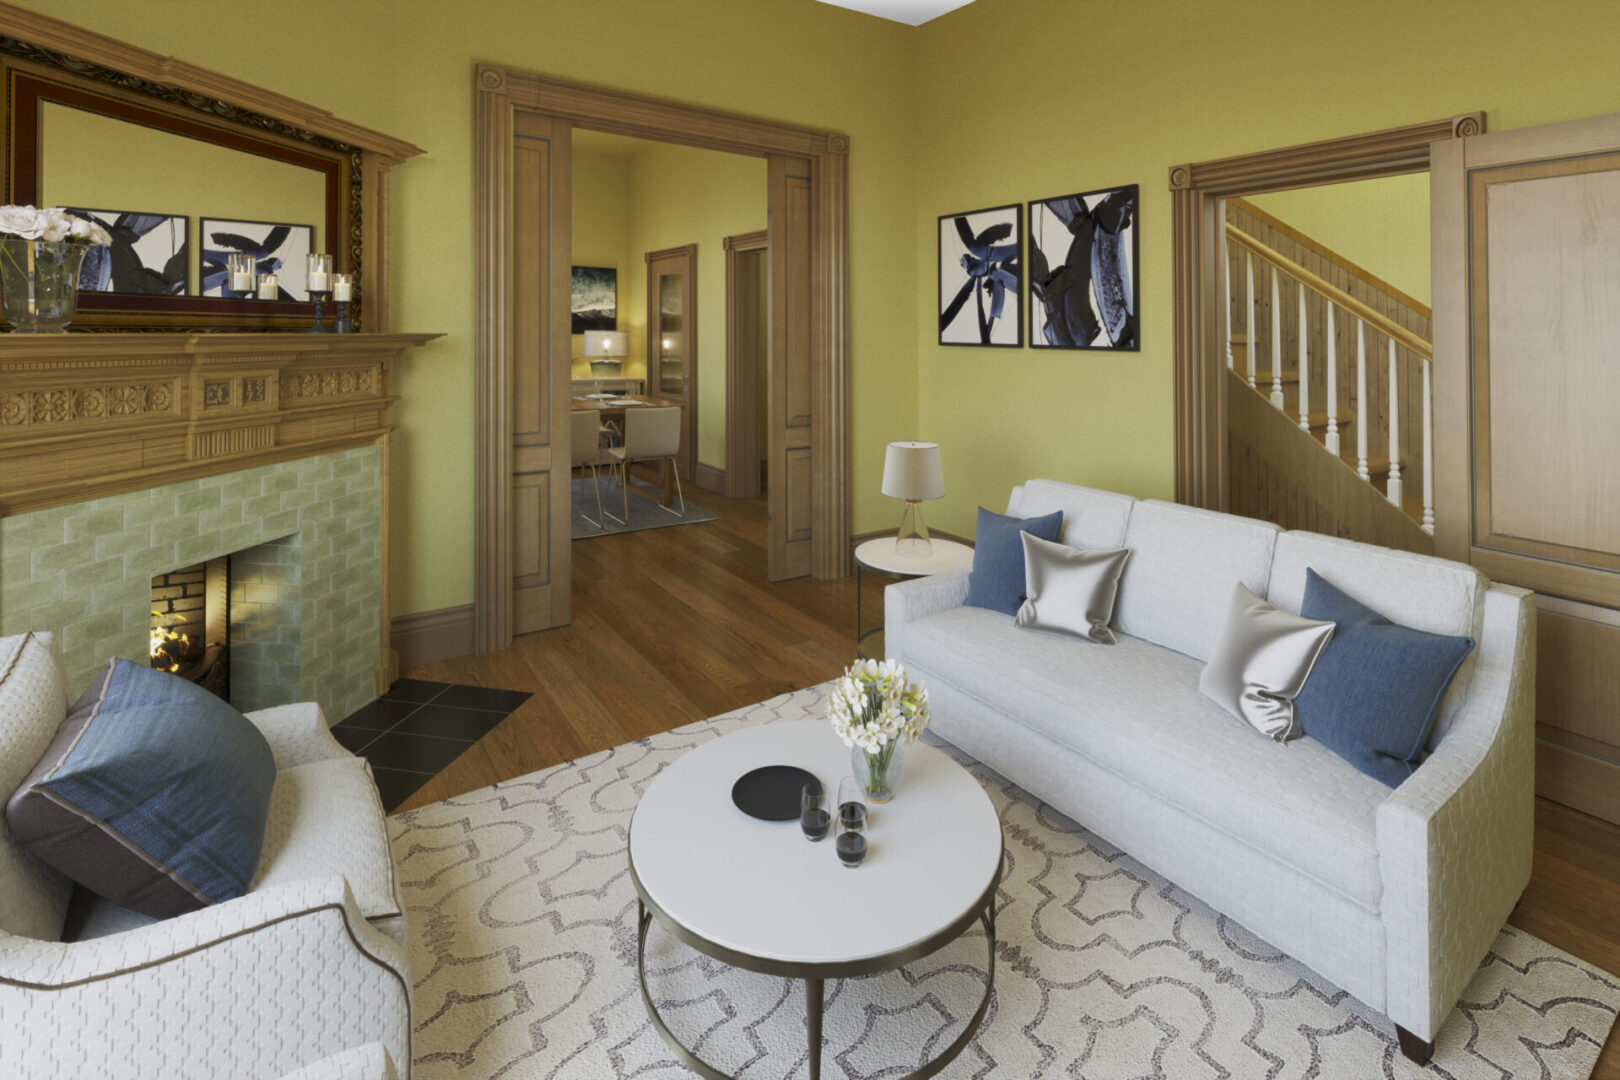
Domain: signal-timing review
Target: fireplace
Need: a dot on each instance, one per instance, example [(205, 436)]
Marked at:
[(191, 624)]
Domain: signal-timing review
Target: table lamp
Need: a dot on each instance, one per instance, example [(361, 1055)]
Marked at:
[(911, 472), (606, 349)]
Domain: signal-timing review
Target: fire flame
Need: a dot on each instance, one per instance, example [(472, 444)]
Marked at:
[(168, 647)]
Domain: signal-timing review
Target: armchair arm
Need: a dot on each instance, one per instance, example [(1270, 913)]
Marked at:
[(252, 988), (297, 734), (368, 1062), (1455, 840), (917, 599)]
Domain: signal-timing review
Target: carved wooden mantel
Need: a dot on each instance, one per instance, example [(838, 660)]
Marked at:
[(84, 416)]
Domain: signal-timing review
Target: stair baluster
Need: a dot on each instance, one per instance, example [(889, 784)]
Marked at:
[(1428, 453), (1276, 340), (1392, 487), (1248, 349), (1361, 402), (1304, 366), (1226, 312), (1331, 439)]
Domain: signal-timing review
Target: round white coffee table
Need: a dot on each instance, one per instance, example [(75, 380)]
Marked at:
[(883, 556), (758, 895)]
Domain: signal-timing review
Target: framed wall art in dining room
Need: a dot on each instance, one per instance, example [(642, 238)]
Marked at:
[(1084, 278), (594, 299), (276, 248), (150, 254), (980, 277)]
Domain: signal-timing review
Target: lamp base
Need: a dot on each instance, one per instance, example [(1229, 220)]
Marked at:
[(912, 540)]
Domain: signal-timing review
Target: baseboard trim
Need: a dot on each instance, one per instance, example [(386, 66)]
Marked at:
[(710, 478), (1589, 784), (429, 636)]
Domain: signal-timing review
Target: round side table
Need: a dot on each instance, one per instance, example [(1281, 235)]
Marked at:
[(880, 557), (756, 895)]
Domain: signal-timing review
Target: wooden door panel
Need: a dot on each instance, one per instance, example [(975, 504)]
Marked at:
[(675, 381), (790, 426)]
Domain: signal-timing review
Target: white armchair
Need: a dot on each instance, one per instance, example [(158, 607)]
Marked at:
[(310, 964)]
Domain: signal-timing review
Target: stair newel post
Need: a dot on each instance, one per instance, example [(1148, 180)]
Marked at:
[(1428, 453), (1276, 340), (1304, 366), (1331, 440), (1226, 312), (1392, 487), (1361, 401), (1248, 348)]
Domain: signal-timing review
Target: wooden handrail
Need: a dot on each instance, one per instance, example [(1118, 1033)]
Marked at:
[(1335, 295)]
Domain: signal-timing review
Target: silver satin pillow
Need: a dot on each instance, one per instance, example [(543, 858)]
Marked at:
[(1070, 591), (1261, 662)]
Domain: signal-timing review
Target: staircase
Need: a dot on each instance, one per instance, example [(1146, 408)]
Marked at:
[(1330, 421)]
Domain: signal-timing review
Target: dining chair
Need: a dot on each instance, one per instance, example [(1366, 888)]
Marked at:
[(650, 434), (587, 451)]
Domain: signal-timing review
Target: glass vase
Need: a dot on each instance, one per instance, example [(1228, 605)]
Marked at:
[(39, 283), (879, 773)]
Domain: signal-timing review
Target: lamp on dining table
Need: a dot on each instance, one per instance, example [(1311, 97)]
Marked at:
[(606, 349)]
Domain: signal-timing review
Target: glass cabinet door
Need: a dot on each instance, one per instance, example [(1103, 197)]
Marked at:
[(672, 352)]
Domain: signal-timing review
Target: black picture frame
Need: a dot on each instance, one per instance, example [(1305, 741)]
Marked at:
[(582, 316), (120, 268), (1055, 320), (967, 278), (291, 272)]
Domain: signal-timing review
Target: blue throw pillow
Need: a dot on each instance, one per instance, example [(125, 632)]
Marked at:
[(997, 579), (154, 794), (1373, 695)]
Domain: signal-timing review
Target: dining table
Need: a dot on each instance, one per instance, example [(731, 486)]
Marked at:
[(611, 408)]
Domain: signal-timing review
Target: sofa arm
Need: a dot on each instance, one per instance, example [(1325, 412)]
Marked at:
[(297, 734), (1455, 840), (368, 1062), (917, 599), (252, 988)]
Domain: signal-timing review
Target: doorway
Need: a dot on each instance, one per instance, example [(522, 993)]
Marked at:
[(522, 150), (747, 375)]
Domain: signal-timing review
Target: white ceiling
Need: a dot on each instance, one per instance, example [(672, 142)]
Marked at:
[(910, 12)]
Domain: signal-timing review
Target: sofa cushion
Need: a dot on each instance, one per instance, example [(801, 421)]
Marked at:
[(1091, 518), (1261, 662), (33, 703), (1420, 591), (997, 579), (1184, 562), (327, 820), (152, 793), (1070, 590), (1373, 696), (1136, 710)]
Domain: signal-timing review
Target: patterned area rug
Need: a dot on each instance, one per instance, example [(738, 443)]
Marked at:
[(522, 923), (645, 510)]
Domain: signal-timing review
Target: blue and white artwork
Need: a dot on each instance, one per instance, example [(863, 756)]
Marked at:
[(1083, 273), (277, 249), (980, 291), (149, 254)]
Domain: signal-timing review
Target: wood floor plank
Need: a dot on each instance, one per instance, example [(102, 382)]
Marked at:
[(674, 625)]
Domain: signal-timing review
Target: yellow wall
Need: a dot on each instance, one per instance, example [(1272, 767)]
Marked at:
[(679, 196), (1120, 97), (600, 234), (1380, 225)]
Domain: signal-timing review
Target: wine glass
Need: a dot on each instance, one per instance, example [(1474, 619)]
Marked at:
[(814, 818)]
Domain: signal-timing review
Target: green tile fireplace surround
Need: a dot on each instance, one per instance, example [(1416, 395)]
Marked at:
[(305, 536)]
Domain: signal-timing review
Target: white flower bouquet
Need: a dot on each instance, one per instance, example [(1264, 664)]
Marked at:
[(53, 224), (875, 711), (41, 253)]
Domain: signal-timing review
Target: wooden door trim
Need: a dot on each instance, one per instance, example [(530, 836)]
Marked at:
[(742, 468), (1196, 193), (497, 92), (689, 322)]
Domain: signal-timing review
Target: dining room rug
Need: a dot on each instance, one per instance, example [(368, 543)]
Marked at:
[(645, 510), (522, 927)]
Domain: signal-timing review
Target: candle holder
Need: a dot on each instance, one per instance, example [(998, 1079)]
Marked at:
[(269, 287), (342, 325), (241, 276), (319, 326), (343, 294)]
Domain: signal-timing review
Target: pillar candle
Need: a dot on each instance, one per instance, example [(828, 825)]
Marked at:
[(342, 288), (269, 287)]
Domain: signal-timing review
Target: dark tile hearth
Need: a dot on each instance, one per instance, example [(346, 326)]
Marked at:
[(417, 728)]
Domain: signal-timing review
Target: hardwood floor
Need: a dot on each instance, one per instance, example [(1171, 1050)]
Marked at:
[(674, 625)]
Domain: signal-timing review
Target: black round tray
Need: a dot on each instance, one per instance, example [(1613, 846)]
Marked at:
[(772, 793)]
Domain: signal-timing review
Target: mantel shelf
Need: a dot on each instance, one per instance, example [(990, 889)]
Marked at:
[(88, 415)]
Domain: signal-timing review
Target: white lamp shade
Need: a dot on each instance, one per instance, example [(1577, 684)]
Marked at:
[(911, 471), (607, 343)]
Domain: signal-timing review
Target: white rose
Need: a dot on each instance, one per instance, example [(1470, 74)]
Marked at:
[(90, 232), (55, 225), (20, 221)]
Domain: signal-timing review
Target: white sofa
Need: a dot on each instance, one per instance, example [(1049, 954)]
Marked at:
[(306, 972), (1393, 894)]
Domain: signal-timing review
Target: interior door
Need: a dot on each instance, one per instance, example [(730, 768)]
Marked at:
[(1527, 390), (789, 427), (540, 361), (672, 341)]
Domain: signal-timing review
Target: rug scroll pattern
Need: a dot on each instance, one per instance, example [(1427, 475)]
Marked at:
[(522, 920)]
